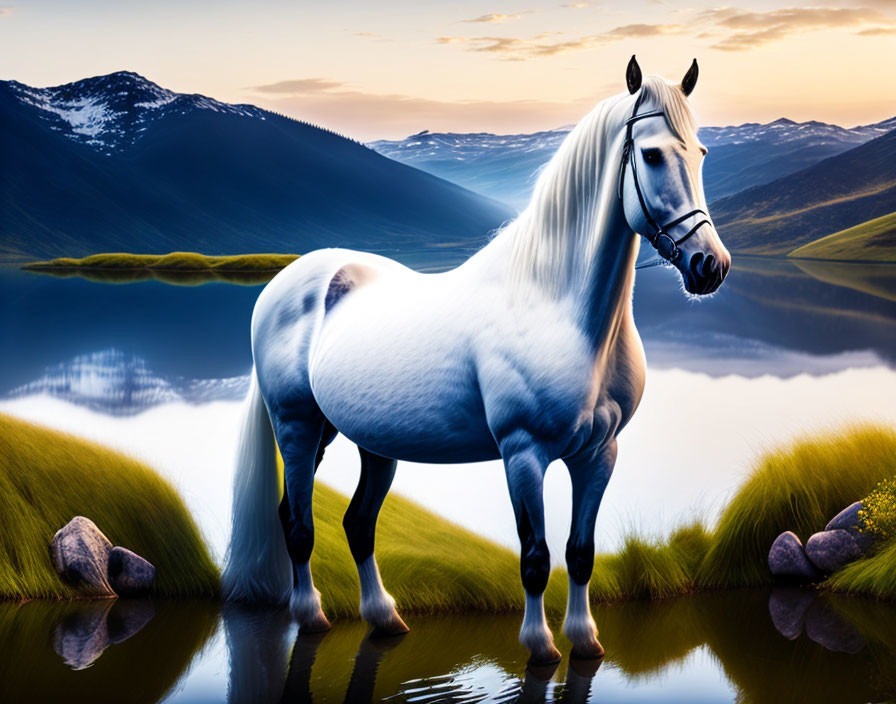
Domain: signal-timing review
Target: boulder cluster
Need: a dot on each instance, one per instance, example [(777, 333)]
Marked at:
[(83, 555), (841, 542)]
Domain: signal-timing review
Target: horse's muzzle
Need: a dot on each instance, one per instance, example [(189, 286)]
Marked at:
[(704, 273)]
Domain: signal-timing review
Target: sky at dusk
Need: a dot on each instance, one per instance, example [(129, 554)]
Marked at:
[(394, 67)]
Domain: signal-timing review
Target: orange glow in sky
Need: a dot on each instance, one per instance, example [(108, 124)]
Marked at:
[(389, 69)]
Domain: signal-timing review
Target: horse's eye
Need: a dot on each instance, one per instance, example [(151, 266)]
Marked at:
[(653, 157)]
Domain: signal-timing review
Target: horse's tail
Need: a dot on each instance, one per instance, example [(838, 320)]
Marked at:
[(258, 567)]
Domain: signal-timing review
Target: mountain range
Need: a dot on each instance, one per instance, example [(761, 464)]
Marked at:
[(833, 194), (505, 166), (118, 163)]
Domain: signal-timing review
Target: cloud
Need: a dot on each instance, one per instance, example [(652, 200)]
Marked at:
[(519, 48), (373, 35), (577, 5), (748, 29), (875, 31), (4, 11), (496, 17), (349, 110), (301, 86)]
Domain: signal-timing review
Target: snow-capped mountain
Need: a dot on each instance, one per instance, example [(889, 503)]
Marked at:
[(784, 131), (111, 112), (505, 166), (117, 163), (465, 146), (502, 166), (116, 383)]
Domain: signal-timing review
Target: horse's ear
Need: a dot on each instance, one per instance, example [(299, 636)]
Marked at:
[(690, 78), (633, 76)]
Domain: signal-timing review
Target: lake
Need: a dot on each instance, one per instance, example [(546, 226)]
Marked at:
[(717, 647), (158, 370)]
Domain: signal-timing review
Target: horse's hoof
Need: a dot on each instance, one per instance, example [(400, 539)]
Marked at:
[(393, 627), (548, 656), (592, 650), (318, 624)]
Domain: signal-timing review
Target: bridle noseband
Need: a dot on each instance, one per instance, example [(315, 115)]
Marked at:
[(665, 245)]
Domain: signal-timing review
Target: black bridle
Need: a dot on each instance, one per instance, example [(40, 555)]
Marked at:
[(665, 245)]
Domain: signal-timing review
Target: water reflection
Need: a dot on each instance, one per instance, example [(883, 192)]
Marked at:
[(768, 309), (831, 316), (752, 646), (474, 658), (83, 635), (98, 651)]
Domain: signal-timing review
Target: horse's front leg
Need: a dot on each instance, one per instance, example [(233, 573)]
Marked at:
[(589, 471), (525, 465)]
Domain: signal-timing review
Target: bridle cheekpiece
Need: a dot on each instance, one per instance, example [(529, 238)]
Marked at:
[(665, 245)]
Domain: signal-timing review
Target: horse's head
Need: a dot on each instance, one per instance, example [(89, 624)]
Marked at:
[(661, 181)]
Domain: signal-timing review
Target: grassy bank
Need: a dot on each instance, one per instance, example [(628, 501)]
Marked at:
[(872, 241), (429, 564), (186, 268), (798, 488), (48, 477)]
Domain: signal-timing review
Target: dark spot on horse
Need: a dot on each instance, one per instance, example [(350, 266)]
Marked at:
[(287, 315), (308, 302), (340, 285)]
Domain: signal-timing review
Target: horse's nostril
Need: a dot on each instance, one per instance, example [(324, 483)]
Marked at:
[(694, 265), (709, 265)]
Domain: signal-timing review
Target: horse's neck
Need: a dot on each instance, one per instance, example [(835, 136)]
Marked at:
[(606, 297), (599, 301)]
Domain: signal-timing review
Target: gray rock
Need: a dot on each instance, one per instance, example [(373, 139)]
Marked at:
[(848, 519), (787, 559), (127, 616), (830, 631), (83, 636), (129, 574), (80, 553), (788, 607), (832, 549)]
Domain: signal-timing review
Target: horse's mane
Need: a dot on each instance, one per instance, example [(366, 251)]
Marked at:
[(556, 238)]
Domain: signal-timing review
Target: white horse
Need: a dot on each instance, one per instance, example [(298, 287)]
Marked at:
[(528, 352)]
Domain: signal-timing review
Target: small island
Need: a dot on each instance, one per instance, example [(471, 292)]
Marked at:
[(184, 268)]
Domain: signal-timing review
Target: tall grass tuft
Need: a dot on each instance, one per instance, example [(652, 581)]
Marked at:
[(872, 576), (798, 488), (48, 477)]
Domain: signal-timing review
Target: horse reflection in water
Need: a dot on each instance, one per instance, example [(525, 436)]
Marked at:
[(527, 352), (268, 665)]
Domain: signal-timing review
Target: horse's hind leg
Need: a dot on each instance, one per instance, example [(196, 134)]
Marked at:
[(301, 439), (377, 607)]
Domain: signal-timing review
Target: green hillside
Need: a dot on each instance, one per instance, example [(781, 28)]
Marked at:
[(47, 478), (429, 564), (837, 193), (179, 268), (872, 241)]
